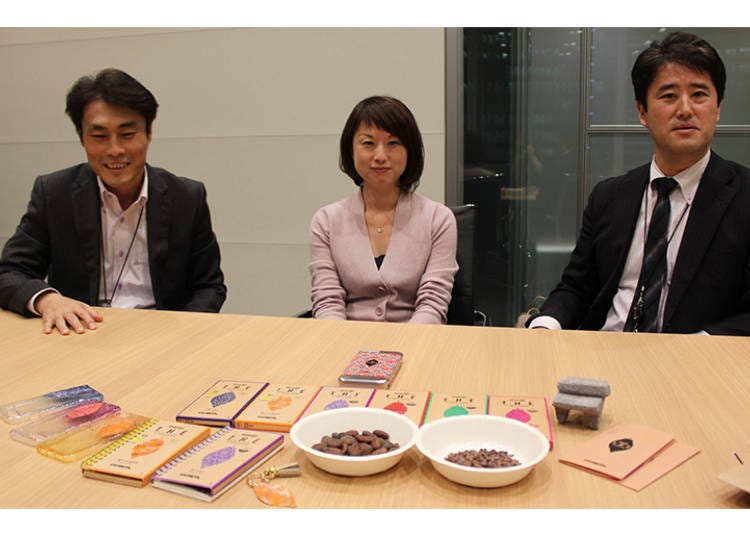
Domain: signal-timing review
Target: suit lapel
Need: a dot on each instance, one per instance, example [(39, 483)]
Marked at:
[(625, 208), (625, 214), (86, 204), (158, 212), (714, 195)]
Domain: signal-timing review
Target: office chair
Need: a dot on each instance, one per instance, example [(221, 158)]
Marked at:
[(461, 309)]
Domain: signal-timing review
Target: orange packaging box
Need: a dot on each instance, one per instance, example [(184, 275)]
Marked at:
[(277, 407), (412, 404), (533, 410)]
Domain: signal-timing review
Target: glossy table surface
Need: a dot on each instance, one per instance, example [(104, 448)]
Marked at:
[(154, 363)]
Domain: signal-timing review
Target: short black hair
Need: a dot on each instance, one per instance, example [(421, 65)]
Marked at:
[(114, 87), (391, 115), (682, 48)]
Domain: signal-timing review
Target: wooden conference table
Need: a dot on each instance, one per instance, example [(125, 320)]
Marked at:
[(154, 363)]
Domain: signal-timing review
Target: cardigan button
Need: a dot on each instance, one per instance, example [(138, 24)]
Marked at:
[(379, 311), (382, 289)]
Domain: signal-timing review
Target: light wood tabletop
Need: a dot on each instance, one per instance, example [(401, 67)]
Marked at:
[(154, 363)]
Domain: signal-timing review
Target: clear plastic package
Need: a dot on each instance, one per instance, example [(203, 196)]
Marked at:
[(88, 439), (25, 410), (62, 421)]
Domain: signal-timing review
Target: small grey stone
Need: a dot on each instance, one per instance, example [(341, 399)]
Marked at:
[(591, 405), (584, 386), (592, 421), (562, 414)]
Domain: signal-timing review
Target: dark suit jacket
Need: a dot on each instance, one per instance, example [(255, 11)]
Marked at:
[(710, 288), (59, 238)]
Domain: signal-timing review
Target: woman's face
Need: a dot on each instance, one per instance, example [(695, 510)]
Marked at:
[(379, 156)]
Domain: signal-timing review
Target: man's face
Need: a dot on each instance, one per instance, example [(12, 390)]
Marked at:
[(116, 143), (683, 110)]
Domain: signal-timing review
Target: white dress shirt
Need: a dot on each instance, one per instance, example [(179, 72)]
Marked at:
[(680, 200)]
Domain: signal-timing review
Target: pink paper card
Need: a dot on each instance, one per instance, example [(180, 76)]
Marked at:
[(618, 451), (667, 459)]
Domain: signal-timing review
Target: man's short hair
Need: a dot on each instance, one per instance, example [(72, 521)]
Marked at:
[(114, 87), (685, 49), (391, 115)]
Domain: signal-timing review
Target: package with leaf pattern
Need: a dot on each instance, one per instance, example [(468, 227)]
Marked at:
[(212, 467), (277, 407), (135, 457), (221, 403)]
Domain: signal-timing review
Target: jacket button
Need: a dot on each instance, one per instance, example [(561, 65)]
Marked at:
[(379, 312)]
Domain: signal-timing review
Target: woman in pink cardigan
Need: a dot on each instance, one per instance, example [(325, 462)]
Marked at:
[(384, 253)]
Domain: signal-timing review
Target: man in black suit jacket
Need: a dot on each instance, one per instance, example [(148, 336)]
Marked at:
[(114, 231), (679, 87)]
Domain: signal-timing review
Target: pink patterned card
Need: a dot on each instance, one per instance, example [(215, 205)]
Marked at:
[(618, 451)]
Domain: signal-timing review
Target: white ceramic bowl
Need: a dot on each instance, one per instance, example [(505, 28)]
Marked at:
[(444, 436), (309, 430)]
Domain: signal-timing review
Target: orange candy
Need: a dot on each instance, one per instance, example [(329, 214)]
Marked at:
[(274, 494)]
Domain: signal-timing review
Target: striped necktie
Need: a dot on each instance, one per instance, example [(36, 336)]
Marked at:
[(645, 307)]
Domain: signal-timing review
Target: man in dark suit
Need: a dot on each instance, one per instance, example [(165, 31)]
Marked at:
[(613, 280), (114, 231)]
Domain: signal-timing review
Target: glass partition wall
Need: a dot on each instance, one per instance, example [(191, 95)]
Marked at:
[(535, 118)]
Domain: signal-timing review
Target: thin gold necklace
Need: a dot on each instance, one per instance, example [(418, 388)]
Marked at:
[(379, 227)]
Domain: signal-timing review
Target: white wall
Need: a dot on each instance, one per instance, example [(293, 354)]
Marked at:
[(255, 113)]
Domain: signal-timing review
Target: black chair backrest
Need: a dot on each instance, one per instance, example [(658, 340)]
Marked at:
[(461, 308)]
